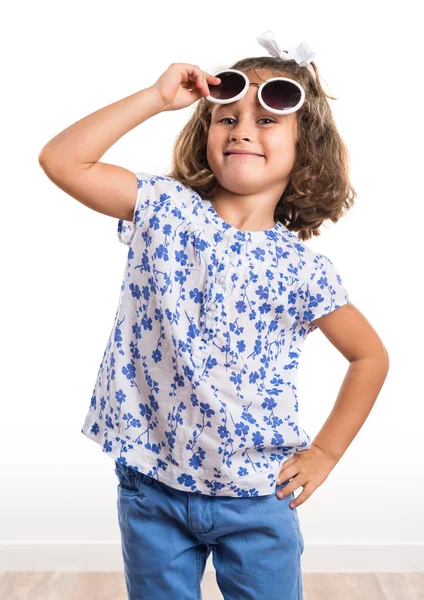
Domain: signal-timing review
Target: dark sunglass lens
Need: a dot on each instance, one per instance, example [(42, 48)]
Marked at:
[(230, 86), (281, 94)]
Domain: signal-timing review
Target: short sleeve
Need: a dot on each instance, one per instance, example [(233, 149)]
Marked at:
[(324, 293), (145, 189)]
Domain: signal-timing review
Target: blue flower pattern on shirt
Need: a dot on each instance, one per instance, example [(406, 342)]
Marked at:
[(198, 382)]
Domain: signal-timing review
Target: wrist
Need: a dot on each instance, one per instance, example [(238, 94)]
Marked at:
[(330, 454), (155, 99)]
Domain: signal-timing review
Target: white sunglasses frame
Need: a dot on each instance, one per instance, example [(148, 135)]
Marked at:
[(260, 86)]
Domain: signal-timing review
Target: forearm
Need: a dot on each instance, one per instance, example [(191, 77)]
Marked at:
[(358, 393), (88, 139)]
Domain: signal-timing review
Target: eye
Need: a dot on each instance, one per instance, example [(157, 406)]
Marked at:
[(231, 119)]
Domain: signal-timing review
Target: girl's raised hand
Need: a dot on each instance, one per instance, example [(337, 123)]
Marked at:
[(182, 84)]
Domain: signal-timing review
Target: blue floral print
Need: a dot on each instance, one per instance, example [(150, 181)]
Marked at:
[(197, 386)]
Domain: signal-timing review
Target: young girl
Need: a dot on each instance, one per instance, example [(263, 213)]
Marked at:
[(196, 396)]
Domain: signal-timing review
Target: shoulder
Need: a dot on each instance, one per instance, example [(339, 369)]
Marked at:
[(154, 192), (155, 188), (311, 265), (158, 189)]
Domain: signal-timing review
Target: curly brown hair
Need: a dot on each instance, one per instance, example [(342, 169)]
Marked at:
[(319, 187)]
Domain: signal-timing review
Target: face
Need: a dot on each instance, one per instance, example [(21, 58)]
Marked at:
[(246, 125)]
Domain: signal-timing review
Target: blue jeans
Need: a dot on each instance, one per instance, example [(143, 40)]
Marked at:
[(168, 534)]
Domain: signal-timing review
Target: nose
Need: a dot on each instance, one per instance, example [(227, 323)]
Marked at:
[(242, 129)]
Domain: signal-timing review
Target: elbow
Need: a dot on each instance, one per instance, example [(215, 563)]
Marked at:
[(50, 157), (43, 159), (386, 357), (51, 165), (42, 156), (382, 362)]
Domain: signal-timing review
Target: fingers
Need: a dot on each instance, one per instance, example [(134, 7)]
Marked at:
[(192, 73), (289, 469), (203, 79), (302, 497)]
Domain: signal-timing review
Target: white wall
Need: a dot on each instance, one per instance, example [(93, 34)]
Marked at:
[(62, 264)]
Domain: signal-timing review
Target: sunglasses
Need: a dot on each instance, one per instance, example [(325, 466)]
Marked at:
[(279, 95)]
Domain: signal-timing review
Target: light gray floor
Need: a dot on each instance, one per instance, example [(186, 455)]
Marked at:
[(111, 586)]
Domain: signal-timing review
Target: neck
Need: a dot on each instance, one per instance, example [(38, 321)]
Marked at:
[(244, 212)]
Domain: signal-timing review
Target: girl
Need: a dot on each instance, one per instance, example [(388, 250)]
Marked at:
[(196, 395)]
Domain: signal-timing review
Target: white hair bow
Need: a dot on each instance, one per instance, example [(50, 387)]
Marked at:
[(303, 54)]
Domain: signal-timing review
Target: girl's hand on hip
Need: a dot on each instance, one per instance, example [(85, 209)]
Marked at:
[(182, 84), (309, 469)]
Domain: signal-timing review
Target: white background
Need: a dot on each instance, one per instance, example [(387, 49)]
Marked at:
[(62, 264)]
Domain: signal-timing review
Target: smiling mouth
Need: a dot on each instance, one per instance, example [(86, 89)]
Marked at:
[(243, 154)]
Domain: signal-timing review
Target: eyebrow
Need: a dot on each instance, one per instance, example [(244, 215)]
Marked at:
[(232, 106), (221, 107)]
